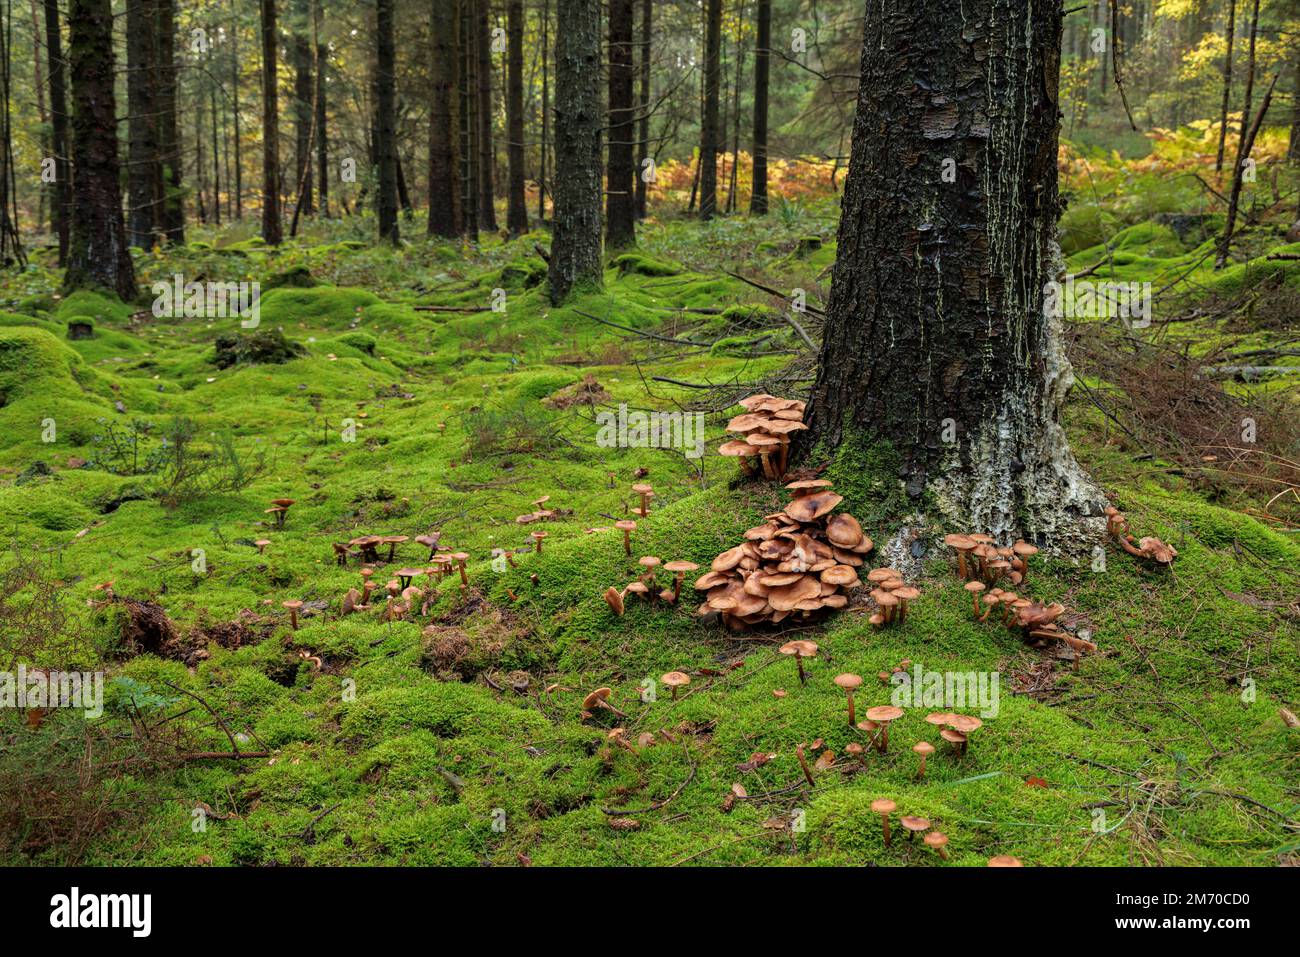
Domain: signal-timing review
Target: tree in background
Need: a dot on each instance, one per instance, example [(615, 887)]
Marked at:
[(144, 170), (643, 106), (303, 114), (938, 347), (762, 56), (517, 207), (98, 256), (169, 138), (620, 198), (487, 213), (444, 125), (272, 231), (386, 121), (710, 141), (59, 213), (575, 244)]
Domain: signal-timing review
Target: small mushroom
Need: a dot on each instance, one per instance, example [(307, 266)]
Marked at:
[(963, 545), (392, 541), (461, 558), (882, 715), (884, 807), (849, 682), (646, 492), (537, 541), (955, 738), (1004, 860), (803, 763), (914, 825), (261, 544), (675, 680), (801, 649), (923, 749), (627, 527), (855, 750), (975, 587), (1024, 551), (615, 599), (600, 699), (293, 604), (937, 840), (679, 570), (619, 737)]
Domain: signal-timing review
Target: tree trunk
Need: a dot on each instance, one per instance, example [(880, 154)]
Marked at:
[(235, 62), (643, 99), (1227, 83), (1293, 147), (762, 56), (303, 115), (59, 129), (543, 169), (709, 120), (487, 213), (322, 132), (575, 244), (444, 128), (517, 209), (98, 255), (169, 137), (469, 130), (620, 200), (1244, 143), (939, 355), (272, 231), (386, 121)]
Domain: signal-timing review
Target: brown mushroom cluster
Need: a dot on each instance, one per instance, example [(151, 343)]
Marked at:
[(764, 430), (891, 595), (1150, 548), (800, 562), (647, 585), (980, 559)]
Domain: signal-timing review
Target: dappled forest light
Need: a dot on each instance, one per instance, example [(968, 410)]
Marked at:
[(652, 433)]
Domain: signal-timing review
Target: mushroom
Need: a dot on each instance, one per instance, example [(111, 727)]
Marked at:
[(975, 587), (645, 491), (627, 527), (675, 680), (856, 750), (679, 570), (964, 725), (884, 807), (461, 558), (649, 563), (955, 738), (801, 649), (914, 825), (1004, 860), (293, 604), (882, 715), (904, 595), (618, 737), (600, 699), (1024, 551), (849, 682), (279, 512), (803, 763), (963, 545), (366, 584), (430, 542), (615, 599), (405, 575), (537, 539), (937, 840), (923, 749)]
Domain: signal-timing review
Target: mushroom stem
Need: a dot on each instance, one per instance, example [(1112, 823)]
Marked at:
[(920, 772), (961, 564), (627, 540), (677, 585), (645, 504), (884, 820), (803, 763), (610, 707), (293, 618), (538, 549), (803, 680), (464, 579), (852, 717)]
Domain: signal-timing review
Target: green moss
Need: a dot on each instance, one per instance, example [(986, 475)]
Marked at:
[(644, 265)]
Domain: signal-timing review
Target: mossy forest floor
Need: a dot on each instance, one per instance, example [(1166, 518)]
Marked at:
[(407, 748)]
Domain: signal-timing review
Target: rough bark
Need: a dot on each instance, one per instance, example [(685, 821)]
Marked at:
[(1244, 142), (709, 131), (386, 121), (646, 47), (98, 256), (59, 217), (576, 245), (487, 213), (169, 137), (303, 114), (272, 230), (1227, 82), (762, 58), (517, 206), (320, 106), (620, 200), (938, 349), (444, 128), (143, 168)]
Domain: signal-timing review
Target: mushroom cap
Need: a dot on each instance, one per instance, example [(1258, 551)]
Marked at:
[(884, 713), (912, 823), (711, 580), (682, 567), (676, 679), (962, 543), (975, 587), (907, 593), (1005, 860), (853, 748), (728, 559), (882, 575), (409, 572), (649, 561), (267, 541), (843, 530), (936, 839), (802, 646), (394, 539), (787, 597), (461, 556), (954, 737), (811, 507), (1024, 550), (642, 489), (737, 448), (841, 575), (615, 599), (938, 718), (626, 525), (539, 534), (600, 694), (848, 681), (885, 599), (292, 604), (923, 747), (883, 806), (756, 400), (964, 723), (282, 502), (805, 484), (637, 588)]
